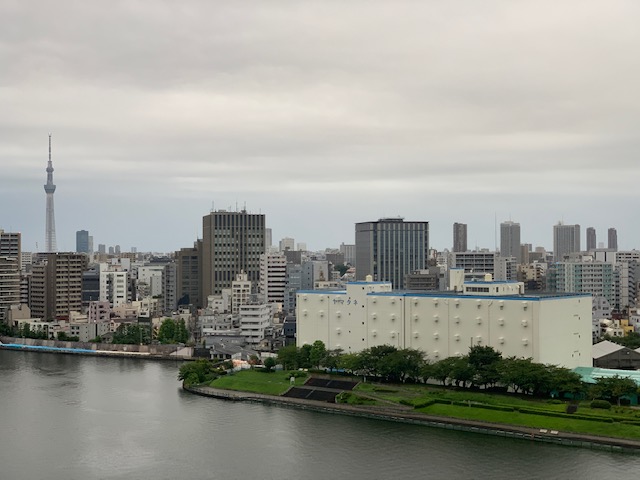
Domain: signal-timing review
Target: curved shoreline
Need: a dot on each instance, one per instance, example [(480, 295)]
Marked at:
[(408, 415)]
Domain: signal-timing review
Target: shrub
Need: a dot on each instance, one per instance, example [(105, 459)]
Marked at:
[(555, 401), (384, 390), (546, 413), (572, 408), (603, 404), (297, 374), (426, 403)]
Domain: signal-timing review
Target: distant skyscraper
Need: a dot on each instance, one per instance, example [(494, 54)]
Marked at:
[(591, 239), (82, 241), (566, 240), (390, 249), (459, 237), (612, 236), (510, 240), (50, 188), (102, 248), (287, 244)]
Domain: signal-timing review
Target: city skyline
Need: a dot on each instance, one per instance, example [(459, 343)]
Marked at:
[(315, 119)]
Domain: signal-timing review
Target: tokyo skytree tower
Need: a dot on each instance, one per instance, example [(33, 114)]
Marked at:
[(49, 188)]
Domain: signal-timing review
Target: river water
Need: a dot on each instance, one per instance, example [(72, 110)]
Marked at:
[(71, 417)]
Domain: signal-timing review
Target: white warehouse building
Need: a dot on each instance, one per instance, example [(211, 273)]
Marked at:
[(552, 329)]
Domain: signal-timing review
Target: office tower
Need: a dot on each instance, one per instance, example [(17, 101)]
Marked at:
[(510, 240), (287, 244), (56, 285), (302, 246), (9, 284), (188, 277), (102, 248), (117, 250), (566, 240), (390, 249), (50, 188), (459, 237), (111, 251), (232, 243), (82, 241), (612, 237), (591, 239)]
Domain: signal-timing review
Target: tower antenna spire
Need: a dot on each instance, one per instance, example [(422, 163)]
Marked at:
[(50, 188)]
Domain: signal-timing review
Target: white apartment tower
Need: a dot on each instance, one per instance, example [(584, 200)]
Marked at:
[(273, 277)]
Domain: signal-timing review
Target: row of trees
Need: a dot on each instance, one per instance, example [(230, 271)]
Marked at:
[(482, 367), (170, 331)]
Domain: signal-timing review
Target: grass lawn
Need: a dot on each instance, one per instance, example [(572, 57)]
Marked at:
[(416, 394), (536, 421), (277, 383), (256, 381)]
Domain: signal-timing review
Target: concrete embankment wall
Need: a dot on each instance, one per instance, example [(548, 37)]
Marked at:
[(409, 416), (142, 351)]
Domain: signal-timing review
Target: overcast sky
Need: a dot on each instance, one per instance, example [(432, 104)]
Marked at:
[(319, 115)]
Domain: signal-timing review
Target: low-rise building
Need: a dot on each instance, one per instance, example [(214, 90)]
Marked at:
[(553, 329)]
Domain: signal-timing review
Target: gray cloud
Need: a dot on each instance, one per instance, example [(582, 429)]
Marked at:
[(319, 114)]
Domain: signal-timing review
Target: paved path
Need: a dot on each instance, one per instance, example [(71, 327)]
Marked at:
[(407, 414)]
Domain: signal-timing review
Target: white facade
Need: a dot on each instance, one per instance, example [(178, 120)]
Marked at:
[(240, 292), (549, 329), (273, 277), (254, 321), (114, 287)]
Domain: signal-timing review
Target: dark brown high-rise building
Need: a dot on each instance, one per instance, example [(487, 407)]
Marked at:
[(56, 285), (232, 242)]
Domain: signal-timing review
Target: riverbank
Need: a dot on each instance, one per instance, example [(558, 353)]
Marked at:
[(148, 352), (409, 415)]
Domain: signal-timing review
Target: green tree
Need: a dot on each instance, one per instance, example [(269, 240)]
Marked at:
[(167, 331), (341, 268), (199, 371), (6, 329), (332, 359), (462, 372), (269, 363), (304, 356), (485, 361), (351, 362), (132, 334), (288, 357), (614, 387), (442, 369), (403, 364), (317, 353)]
